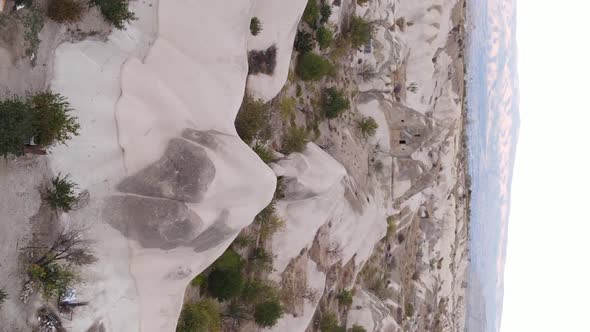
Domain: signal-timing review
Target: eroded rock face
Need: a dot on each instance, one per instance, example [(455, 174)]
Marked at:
[(183, 173)]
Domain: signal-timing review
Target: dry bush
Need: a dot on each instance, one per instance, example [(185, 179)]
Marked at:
[(262, 62), (65, 11)]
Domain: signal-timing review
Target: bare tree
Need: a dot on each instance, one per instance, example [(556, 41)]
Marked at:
[(335, 251), (366, 71), (69, 245)]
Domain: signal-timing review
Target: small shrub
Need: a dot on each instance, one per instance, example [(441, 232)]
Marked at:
[(361, 31), (251, 119), (263, 61), (391, 226), (263, 152), (368, 126), (362, 2), (225, 284), (325, 12), (230, 260), (287, 107), (65, 11), (313, 67), (61, 195), (54, 278), (345, 298), (298, 90), (357, 328), (311, 14), (324, 37), (255, 26), (335, 102), (51, 119), (295, 140), (266, 314), (271, 225), (203, 316), (3, 296), (329, 323), (198, 280), (115, 12), (303, 42), (409, 309), (16, 126)]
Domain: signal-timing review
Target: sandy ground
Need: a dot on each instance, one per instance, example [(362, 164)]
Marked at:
[(21, 180)]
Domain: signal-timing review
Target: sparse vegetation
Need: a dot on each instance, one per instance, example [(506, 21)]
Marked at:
[(115, 12), (325, 13), (251, 119), (391, 226), (303, 42), (203, 316), (3, 296), (361, 31), (362, 2), (329, 323), (357, 328), (33, 21), (345, 298), (266, 314), (263, 152), (311, 14), (65, 11), (270, 225), (61, 194), (263, 61), (313, 67), (335, 102), (295, 140), (255, 26), (261, 260), (409, 309), (413, 87), (324, 36), (368, 126), (287, 107)]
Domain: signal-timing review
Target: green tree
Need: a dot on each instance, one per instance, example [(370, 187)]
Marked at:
[(251, 119), (345, 298), (203, 316), (325, 12), (115, 12), (266, 314), (225, 284), (271, 225), (361, 31), (16, 126), (255, 26), (303, 42), (335, 102), (54, 278), (61, 194), (65, 11), (329, 323), (229, 260), (324, 37), (295, 140), (257, 291), (368, 126), (51, 119), (311, 14), (313, 67)]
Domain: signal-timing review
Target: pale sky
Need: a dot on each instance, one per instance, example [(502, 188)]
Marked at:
[(547, 277)]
